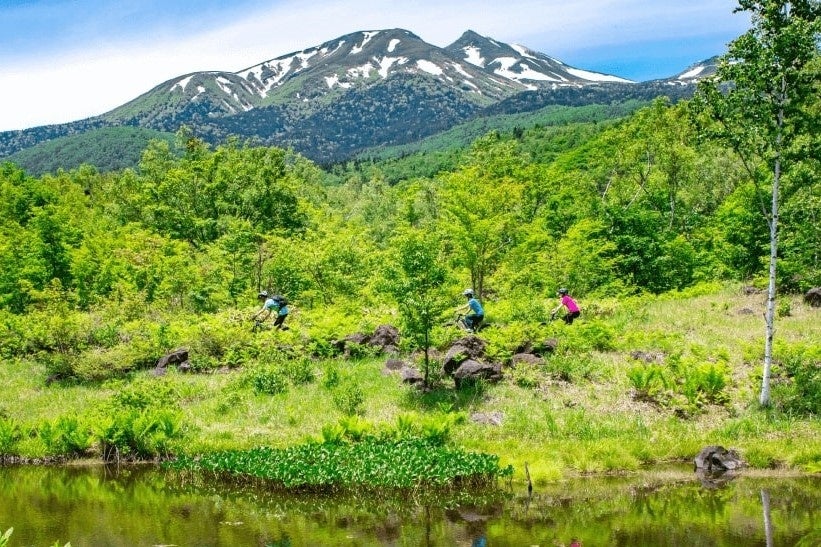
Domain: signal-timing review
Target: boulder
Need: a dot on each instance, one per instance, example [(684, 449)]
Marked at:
[(394, 365), (470, 347), (527, 359), (411, 376), (716, 459), (538, 348), (385, 337), (178, 357), (813, 297), (471, 370)]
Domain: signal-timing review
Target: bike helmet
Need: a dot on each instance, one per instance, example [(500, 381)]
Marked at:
[(468, 292), (263, 294), (563, 291)]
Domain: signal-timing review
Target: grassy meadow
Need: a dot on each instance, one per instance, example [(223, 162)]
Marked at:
[(633, 383)]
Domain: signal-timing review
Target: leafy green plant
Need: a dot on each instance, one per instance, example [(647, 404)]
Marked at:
[(331, 375), (299, 370), (525, 376), (348, 397), (141, 434), (404, 463), (143, 393), (800, 392), (4, 539), (648, 380), (268, 379), (570, 367), (10, 435), (66, 436)]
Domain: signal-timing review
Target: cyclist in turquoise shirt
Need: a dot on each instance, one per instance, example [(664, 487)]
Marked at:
[(477, 313)]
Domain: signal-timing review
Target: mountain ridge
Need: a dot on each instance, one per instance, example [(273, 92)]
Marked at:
[(362, 89)]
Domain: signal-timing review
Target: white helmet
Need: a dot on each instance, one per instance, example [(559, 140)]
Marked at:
[(467, 292)]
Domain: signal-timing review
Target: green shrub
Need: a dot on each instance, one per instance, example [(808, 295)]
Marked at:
[(141, 434), (299, 370), (331, 375), (10, 435), (231, 400), (348, 397), (648, 381), (800, 389), (570, 367), (66, 436), (268, 379), (143, 393), (525, 376)]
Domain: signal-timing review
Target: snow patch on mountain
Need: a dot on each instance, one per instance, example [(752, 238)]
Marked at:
[(368, 35), (182, 83), (506, 64), (429, 67), (392, 44), (461, 70), (363, 71), (693, 73), (386, 62), (595, 76), (523, 51), (473, 55), (331, 81)]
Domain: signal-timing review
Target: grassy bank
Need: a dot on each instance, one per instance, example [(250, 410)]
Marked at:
[(631, 384)]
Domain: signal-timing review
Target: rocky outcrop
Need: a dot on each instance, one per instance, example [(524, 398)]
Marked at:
[(465, 362), (384, 339), (813, 297), (717, 459), (178, 357)]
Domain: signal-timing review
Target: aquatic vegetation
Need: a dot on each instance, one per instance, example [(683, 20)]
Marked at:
[(373, 462)]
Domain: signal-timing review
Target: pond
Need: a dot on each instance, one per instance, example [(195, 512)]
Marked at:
[(143, 505)]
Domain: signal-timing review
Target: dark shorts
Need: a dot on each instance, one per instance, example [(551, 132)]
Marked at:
[(473, 321), (570, 316), (280, 319)]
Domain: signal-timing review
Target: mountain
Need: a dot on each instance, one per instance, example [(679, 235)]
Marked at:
[(364, 89)]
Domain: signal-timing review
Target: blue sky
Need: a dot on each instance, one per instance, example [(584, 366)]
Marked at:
[(64, 60)]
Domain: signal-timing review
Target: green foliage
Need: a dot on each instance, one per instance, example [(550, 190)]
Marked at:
[(682, 384), (66, 436), (4, 539), (267, 379), (381, 463), (799, 370), (108, 149), (348, 396), (10, 435), (137, 433), (416, 285)]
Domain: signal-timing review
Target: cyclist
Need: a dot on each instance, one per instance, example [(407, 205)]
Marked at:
[(476, 313), (270, 304), (282, 312), (572, 308)]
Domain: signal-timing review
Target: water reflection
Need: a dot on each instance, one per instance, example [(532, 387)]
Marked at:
[(145, 506)]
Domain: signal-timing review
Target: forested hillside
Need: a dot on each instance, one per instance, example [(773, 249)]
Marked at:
[(644, 205)]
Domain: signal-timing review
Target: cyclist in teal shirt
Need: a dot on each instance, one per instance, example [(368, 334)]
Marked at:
[(477, 313)]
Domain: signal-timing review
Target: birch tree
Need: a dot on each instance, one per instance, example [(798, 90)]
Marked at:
[(756, 99)]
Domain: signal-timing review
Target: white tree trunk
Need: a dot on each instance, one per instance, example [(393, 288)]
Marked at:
[(764, 398)]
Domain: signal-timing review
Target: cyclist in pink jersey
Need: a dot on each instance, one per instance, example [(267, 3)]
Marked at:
[(572, 308)]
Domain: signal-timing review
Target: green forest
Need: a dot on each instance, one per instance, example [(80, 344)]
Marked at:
[(658, 222)]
